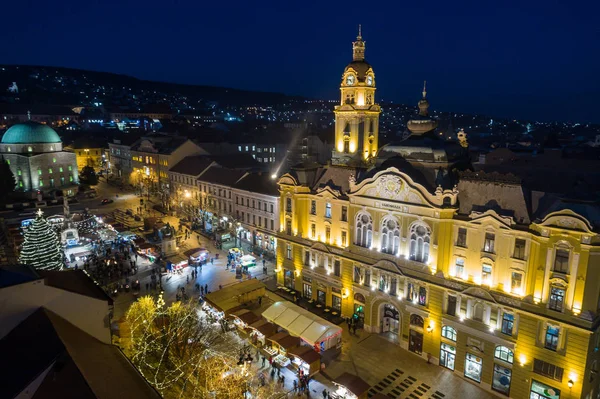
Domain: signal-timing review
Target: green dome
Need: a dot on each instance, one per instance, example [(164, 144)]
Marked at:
[(30, 133)]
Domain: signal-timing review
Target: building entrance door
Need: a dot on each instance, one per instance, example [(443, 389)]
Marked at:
[(415, 342), (390, 319)]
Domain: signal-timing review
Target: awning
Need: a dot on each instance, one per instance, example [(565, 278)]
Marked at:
[(353, 383), (300, 322)]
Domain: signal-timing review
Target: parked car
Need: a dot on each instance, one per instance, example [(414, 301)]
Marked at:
[(106, 201)]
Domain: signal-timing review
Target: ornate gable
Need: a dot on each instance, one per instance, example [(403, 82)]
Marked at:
[(287, 180), (567, 219), (393, 185)]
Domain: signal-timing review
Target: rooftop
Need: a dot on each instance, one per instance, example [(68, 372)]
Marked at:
[(17, 274), (78, 365), (76, 281), (260, 183)]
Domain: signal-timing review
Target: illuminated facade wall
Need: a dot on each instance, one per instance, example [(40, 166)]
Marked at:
[(517, 303)]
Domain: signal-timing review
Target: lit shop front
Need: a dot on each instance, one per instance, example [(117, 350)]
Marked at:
[(540, 390), (305, 359)]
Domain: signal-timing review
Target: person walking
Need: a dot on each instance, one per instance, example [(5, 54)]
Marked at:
[(206, 288), (324, 393), (263, 361)]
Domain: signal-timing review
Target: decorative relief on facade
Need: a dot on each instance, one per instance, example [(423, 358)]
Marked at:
[(480, 293)]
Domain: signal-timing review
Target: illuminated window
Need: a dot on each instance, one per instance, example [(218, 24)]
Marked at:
[(20, 183), (71, 178), (39, 171), (41, 183), (449, 333), (313, 230), (508, 322), (459, 267), (29, 149), (8, 149), (328, 210), (8, 161), (486, 273), (19, 173), (70, 168), (557, 299), (313, 207), (390, 236), (364, 230), (420, 237), (60, 169), (551, 340), (504, 354), (344, 238), (516, 282), (50, 170)]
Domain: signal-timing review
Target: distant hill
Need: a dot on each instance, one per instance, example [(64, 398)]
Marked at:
[(68, 86)]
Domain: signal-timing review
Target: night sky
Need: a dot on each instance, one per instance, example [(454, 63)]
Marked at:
[(540, 60)]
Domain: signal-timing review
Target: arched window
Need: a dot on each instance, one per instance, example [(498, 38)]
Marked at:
[(505, 354), (364, 230), (420, 238), (390, 236), (416, 320), (449, 333), (29, 149)]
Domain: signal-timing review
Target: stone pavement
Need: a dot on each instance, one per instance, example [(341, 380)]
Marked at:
[(397, 373)]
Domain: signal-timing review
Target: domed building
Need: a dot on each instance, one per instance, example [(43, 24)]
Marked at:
[(35, 154)]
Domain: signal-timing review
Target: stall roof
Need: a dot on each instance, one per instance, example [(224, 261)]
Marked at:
[(300, 322), (248, 258), (353, 383), (265, 328), (246, 316), (285, 340), (306, 353), (229, 298)]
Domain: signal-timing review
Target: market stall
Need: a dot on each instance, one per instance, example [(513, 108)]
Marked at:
[(231, 298), (262, 330), (197, 256), (247, 261), (305, 359), (350, 386), (299, 322), (148, 250), (243, 318), (280, 344)]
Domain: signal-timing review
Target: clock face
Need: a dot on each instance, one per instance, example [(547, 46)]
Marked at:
[(350, 80), (370, 80)]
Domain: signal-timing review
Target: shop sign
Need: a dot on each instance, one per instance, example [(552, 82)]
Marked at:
[(543, 391)]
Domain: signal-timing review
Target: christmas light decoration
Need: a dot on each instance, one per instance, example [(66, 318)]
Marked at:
[(183, 355), (41, 248)]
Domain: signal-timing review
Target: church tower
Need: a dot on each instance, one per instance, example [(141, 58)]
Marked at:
[(357, 116)]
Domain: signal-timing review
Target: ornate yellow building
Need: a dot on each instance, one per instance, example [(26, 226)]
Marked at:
[(486, 278)]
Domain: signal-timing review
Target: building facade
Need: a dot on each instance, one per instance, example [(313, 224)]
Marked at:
[(257, 211), (35, 155), (474, 272)]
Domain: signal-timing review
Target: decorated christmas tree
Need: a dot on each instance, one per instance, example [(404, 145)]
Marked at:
[(41, 248)]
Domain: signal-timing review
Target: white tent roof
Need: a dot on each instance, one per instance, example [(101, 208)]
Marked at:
[(248, 258), (299, 322)]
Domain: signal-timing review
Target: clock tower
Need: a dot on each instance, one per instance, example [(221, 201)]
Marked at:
[(357, 116)]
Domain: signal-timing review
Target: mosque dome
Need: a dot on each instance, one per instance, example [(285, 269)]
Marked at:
[(30, 133)]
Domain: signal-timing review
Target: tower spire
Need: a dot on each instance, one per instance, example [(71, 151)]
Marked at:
[(358, 47), (424, 89)]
